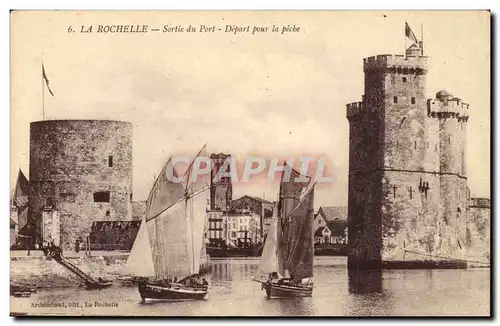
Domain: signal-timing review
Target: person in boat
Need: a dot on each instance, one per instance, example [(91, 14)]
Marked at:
[(175, 279), (204, 282)]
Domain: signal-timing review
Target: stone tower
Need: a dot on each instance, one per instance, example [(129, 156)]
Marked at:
[(80, 172), (221, 191), (407, 176)]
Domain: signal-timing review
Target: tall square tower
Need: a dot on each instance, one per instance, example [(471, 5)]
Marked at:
[(405, 173)]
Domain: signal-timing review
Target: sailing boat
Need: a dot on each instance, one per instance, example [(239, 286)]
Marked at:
[(286, 265), (166, 253)]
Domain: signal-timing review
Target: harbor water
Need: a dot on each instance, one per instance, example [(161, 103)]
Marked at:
[(336, 293)]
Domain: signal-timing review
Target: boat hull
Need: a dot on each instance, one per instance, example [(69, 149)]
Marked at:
[(174, 292), (275, 290), (98, 285)]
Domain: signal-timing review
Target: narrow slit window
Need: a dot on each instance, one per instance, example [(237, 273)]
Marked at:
[(395, 99), (110, 161), (412, 100), (101, 197), (415, 144), (404, 79)]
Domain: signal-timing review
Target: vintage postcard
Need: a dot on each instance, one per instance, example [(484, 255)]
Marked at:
[(250, 163)]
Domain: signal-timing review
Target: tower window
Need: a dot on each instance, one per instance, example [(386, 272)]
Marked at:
[(101, 197), (110, 161), (415, 144), (49, 201), (412, 100), (395, 99), (404, 79)]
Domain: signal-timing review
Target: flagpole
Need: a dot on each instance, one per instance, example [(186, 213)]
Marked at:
[(405, 39), (422, 37), (43, 95)]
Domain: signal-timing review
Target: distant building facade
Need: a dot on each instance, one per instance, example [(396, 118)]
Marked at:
[(232, 228), (243, 228), (330, 225), (215, 233), (259, 206), (19, 212)]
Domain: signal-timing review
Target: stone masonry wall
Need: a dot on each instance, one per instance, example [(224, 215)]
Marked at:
[(407, 171), (70, 161), (478, 231)]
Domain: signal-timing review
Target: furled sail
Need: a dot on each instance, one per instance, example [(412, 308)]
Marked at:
[(290, 193), (300, 254)]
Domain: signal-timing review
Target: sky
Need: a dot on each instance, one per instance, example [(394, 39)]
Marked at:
[(268, 94)]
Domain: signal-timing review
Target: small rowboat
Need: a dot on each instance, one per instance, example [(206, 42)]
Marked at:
[(98, 285), (173, 292)]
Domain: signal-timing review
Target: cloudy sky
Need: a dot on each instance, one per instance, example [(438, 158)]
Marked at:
[(266, 94)]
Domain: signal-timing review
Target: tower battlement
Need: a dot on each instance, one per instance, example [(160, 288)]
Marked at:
[(354, 109), (447, 106), (396, 64), (407, 165)]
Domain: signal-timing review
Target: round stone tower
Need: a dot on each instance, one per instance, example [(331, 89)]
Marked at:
[(452, 115), (81, 169)]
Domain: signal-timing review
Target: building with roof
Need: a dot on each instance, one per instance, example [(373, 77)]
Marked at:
[(262, 207), (330, 225), (331, 213)]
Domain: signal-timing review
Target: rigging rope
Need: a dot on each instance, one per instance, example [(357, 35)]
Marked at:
[(466, 260)]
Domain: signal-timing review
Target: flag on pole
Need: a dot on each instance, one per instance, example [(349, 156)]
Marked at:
[(46, 80), (409, 33)]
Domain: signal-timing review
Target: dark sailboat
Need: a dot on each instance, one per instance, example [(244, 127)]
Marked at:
[(167, 251), (286, 265)]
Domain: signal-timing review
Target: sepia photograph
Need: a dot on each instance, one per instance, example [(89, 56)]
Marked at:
[(250, 163)]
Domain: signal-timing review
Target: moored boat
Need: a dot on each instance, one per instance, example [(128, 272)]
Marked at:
[(286, 265), (169, 244), (173, 291), (98, 285)]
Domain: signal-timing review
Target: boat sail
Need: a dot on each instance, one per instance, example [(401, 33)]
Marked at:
[(170, 239), (286, 265)]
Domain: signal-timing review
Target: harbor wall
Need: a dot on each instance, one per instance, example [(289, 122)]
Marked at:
[(45, 273), (37, 270)]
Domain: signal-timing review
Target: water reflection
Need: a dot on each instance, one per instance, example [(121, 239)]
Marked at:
[(337, 292), (294, 306), (365, 281), (222, 272)]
